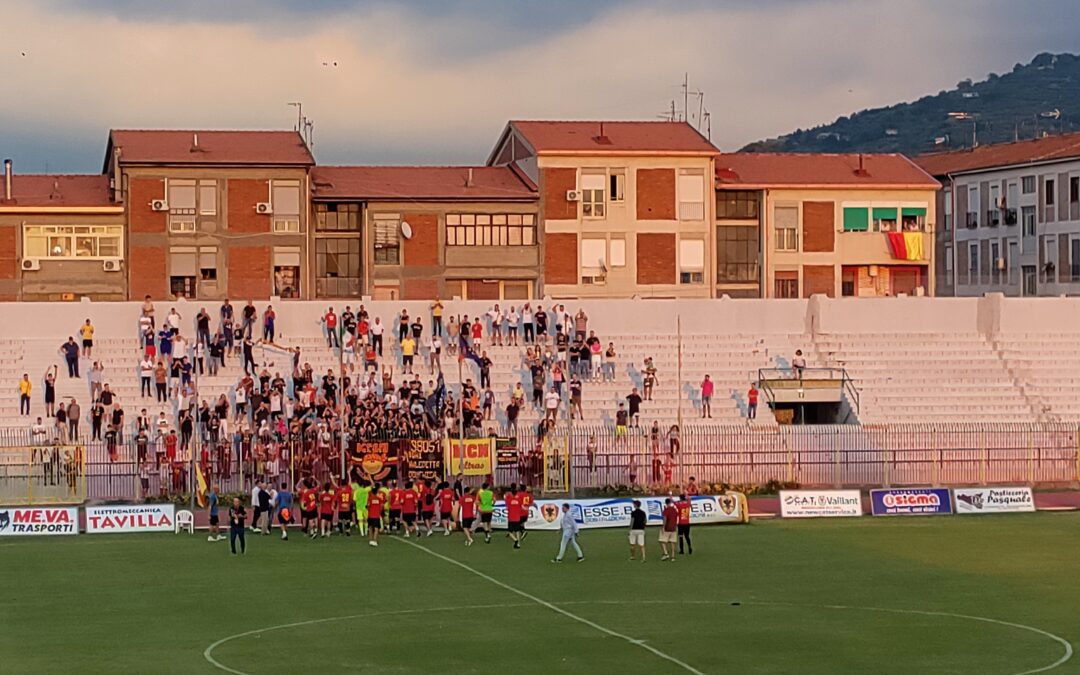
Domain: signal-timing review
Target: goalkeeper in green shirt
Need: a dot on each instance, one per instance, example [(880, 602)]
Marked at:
[(486, 498)]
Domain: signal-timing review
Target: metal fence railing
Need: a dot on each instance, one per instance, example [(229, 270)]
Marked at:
[(601, 456)]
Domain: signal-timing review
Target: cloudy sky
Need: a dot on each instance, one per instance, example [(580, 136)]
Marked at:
[(434, 81)]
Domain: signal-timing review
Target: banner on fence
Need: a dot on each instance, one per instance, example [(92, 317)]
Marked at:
[(910, 502), (422, 460), (506, 452), (471, 457), (820, 503), (546, 514), (994, 500), (38, 520), (375, 460), (134, 518)]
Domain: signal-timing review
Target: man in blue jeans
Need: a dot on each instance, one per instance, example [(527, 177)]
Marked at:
[(570, 529), (70, 350)]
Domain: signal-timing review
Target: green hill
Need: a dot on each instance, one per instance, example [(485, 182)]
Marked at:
[(1006, 107)]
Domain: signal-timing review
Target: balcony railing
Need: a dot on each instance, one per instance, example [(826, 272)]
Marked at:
[(993, 218), (972, 220), (1010, 216)]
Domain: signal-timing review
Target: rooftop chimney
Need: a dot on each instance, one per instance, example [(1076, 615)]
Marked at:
[(469, 179), (861, 171), (7, 180), (195, 143)]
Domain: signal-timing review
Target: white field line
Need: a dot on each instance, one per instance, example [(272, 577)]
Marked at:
[(555, 608)]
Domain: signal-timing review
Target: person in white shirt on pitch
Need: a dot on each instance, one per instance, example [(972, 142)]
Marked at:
[(570, 529)]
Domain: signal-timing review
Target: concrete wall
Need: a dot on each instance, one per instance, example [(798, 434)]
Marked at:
[(989, 315)]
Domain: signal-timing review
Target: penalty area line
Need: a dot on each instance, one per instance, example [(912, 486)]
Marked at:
[(555, 608)]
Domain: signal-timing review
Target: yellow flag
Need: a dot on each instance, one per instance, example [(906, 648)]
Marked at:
[(201, 480), (913, 244)]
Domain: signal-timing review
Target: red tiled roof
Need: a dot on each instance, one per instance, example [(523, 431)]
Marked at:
[(153, 146), (1032, 151), (58, 190), (766, 170), (607, 137), (419, 182)]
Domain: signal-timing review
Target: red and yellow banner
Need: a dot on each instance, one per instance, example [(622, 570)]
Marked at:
[(471, 457)]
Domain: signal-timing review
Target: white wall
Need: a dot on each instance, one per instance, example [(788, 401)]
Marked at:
[(989, 315)]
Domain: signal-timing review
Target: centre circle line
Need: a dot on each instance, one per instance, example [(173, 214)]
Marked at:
[(208, 653), (555, 608)]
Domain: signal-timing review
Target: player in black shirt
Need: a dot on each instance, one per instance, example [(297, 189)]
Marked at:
[(237, 517)]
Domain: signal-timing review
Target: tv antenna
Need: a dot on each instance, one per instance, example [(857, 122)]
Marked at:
[(304, 126)]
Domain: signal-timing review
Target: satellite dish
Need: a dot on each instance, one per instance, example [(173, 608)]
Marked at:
[(406, 230)]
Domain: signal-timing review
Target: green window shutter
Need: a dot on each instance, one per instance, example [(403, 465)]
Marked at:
[(884, 214), (912, 211), (856, 219)]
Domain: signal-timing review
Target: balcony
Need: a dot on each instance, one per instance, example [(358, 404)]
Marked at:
[(972, 220), (993, 218), (1009, 216)]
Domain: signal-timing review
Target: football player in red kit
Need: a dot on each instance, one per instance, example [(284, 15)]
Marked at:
[(327, 504), (445, 498)]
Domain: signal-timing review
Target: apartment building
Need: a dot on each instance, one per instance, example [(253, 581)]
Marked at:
[(1011, 217), (213, 214), (625, 208), (61, 237), (421, 232), (795, 225)]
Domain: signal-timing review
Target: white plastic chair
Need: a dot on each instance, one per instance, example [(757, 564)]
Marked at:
[(185, 520)]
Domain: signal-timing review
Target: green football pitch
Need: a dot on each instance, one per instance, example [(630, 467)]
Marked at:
[(979, 594)]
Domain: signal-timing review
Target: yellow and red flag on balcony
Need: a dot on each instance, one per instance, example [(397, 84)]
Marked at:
[(905, 245)]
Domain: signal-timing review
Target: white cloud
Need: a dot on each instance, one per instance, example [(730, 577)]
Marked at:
[(396, 95)]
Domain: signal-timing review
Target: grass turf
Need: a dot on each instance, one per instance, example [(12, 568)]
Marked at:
[(154, 603)]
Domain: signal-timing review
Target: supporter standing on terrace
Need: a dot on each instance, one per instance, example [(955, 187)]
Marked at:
[(269, 317), (329, 321), (87, 333), (147, 311), (202, 327), (633, 404), (529, 335), (610, 356), (248, 318), (512, 319), (648, 378), (146, 373), (25, 387), (377, 330), (403, 324), (74, 413), (706, 396), (70, 352), (436, 317), (49, 378), (751, 402)]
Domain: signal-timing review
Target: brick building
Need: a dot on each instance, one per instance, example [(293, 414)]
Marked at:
[(211, 214), (419, 232), (625, 207), (793, 225), (61, 236)]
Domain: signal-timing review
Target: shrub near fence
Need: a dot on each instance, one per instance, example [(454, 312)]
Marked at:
[(744, 455)]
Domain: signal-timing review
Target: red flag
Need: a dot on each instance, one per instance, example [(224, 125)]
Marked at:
[(897, 246)]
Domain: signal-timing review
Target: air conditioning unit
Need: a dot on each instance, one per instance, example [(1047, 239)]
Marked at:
[(159, 205), (111, 265), (31, 264), (573, 195), (264, 207), (1000, 263)]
